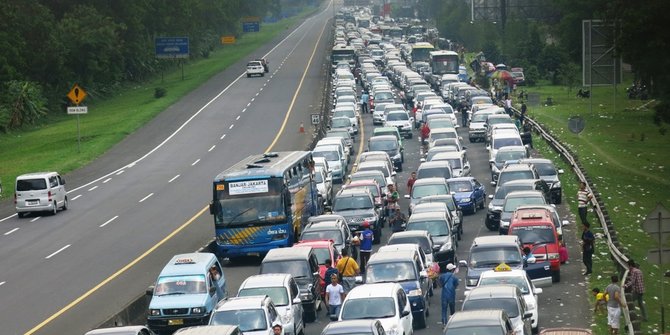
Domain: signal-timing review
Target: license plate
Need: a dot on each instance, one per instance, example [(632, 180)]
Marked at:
[(175, 322), (32, 202)]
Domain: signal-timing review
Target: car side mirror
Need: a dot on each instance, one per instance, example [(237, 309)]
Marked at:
[(405, 313), (464, 147), (490, 196), (538, 291), (528, 315), (493, 183), (62, 181), (565, 222), (422, 160), (297, 301), (211, 208), (406, 196), (150, 290), (315, 274), (463, 263), (423, 274), (359, 279), (393, 174)]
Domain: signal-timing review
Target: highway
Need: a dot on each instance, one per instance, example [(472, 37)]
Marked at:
[(146, 199), (131, 210)]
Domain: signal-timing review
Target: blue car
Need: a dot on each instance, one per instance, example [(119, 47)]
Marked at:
[(468, 193)]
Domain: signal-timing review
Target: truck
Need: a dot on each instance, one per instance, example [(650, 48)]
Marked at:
[(442, 62)]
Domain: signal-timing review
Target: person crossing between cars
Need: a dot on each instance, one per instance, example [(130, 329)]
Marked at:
[(276, 329), (348, 267), (366, 244), (330, 271), (448, 282), (364, 102), (334, 296)]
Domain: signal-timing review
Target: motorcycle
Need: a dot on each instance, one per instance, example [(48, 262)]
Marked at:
[(583, 93)]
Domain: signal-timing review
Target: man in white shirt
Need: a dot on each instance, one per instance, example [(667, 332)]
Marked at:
[(334, 296)]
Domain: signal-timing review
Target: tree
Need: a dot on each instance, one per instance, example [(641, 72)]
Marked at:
[(23, 103), (568, 74)]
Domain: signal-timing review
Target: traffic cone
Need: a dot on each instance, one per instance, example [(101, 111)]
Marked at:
[(302, 128)]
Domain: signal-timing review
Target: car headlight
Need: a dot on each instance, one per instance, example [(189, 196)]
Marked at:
[(306, 296), (446, 246), (553, 255), (556, 184), (494, 168), (464, 200), (490, 207), (197, 310), (472, 281), (155, 312), (407, 125), (414, 293)]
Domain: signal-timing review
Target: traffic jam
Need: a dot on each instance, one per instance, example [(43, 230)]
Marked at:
[(394, 194)]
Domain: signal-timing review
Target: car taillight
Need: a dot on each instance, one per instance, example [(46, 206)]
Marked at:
[(49, 195)]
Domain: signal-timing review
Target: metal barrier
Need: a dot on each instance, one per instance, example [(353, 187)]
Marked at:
[(599, 208)]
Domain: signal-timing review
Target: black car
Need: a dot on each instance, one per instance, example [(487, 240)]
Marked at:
[(357, 206), (549, 174), (390, 145), (304, 266), (492, 220)]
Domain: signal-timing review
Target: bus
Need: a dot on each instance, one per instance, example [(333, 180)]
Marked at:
[(262, 203), (421, 52), (444, 62), (343, 53)]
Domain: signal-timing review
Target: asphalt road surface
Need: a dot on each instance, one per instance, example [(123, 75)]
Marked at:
[(145, 200)]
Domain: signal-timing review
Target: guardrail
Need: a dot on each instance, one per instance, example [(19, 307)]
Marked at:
[(620, 259)]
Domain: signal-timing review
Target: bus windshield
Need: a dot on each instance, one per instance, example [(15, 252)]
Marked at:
[(240, 211), (445, 64)]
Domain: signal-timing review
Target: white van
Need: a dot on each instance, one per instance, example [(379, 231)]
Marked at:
[(40, 192)]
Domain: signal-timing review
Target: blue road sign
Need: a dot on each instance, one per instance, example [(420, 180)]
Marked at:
[(251, 27), (172, 47)]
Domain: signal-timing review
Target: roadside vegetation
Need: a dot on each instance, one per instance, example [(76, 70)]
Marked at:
[(51, 143)]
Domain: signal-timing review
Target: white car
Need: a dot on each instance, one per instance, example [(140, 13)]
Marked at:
[(255, 315), (324, 185), (400, 120), (386, 302), (284, 292), (255, 68)]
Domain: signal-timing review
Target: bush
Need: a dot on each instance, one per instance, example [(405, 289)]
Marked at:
[(531, 75), (159, 92)]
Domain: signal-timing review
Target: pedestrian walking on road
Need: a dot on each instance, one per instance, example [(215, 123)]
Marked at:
[(334, 296), (349, 269), (635, 284), (330, 271), (367, 236), (410, 182), (449, 283), (588, 246), (583, 199), (524, 110), (364, 102), (614, 305)]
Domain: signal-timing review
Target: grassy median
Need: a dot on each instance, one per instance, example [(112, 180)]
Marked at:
[(53, 145), (626, 154)]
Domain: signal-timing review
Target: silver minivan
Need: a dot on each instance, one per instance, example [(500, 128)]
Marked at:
[(40, 192)]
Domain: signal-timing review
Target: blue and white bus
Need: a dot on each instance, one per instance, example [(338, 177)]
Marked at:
[(262, 203)]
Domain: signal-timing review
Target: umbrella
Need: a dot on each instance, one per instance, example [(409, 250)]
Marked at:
[(503, 75)]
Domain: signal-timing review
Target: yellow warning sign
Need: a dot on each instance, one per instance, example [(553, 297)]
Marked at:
[(228, 39), (76, 94), (503, 268)]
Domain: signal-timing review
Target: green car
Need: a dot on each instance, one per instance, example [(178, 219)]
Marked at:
[(389, 131)]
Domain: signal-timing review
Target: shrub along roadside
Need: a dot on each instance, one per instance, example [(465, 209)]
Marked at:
[(623, 150), (53, 145)]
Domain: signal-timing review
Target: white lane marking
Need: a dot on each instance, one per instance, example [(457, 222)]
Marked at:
[(196, 162), (252, 99), (118, 173), (11, 231), (265, 84), (106, 180), (231, 126), (249, 104), (211, 148), (173, 178), (35, 219), (222, 136), (2, 283), (244, 110), (108, 221), (257, 93), (9, 217), (238, 117), (77, 197), (147, 197), (93, 188), (261, 89), (57, 251)]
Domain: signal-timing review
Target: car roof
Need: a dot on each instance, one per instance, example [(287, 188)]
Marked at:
[(208, 330), (362, 182), (325, 218), (508, 273), (383, 138), (433, 164), (427, 216), (430, 181), (523, 194), (449, 154), (349, 327), (460, 179), (127, 330), (323, 225), (391, 256), (495, 240), (36, 175), (512, 148), (517, 167), (373, 291), (464, 319), (188, 264), (349, 192), (281, 254), (266, 280), (493, 291), (248, 302), (410, 233), (399, 246), (536, 160)]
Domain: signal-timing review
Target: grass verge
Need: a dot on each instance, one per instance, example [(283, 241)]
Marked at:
[(53, 146), (625, 152)]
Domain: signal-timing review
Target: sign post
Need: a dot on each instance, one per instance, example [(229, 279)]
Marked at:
[(251, 24), (77, 95), (657, 224), (172, 48)]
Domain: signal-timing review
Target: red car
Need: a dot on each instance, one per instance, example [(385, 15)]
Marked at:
[(324, 249), (536, 231)]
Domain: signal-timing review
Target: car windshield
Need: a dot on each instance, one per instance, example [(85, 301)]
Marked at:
[(499, 120), (420, 191), (179, 285), (341, 123), (479, 117), (389, 272), (440, 123), (237, 211), (328, 155), (481, 100), (344, 113), (506, 142), (517, 281), (368, 308), (298, 268), (492, 257), (379, 178), (502, 191), (314, 235), (384, 96), (352, 203), (476, 330), (423, 243), (246, 319), (372, 188), (435, 228), (383, 145), (455, 163), (448, 134), (545, 169), (397, 117), (535, 234), (393, 132), (512, 203), (278, 294), (503, 156), (433, 172), (335, 133), (460, 186), (509, 305), (514, 175), (31, 184)]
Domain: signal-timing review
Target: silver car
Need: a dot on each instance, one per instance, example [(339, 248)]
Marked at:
[(40, 192)]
